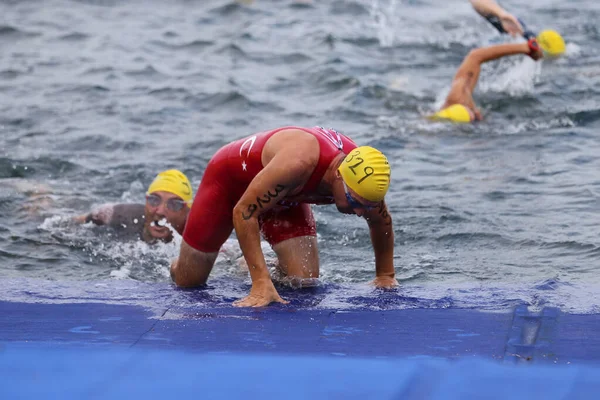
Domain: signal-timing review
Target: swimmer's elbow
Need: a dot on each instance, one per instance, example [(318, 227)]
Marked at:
[(243, 213), (475, 56)]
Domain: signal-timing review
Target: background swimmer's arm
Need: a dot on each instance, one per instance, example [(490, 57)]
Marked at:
[(124, 216), (80, 219), (489, 8), (285, 172), (467, 75), (99, 216), (382, 238)]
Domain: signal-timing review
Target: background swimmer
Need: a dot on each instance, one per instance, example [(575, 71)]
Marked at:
[(459, 105), (168, 201)]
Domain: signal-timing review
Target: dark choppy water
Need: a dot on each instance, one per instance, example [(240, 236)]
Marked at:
[(98, 96)]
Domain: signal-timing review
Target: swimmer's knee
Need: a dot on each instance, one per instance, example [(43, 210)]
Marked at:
[(192, 267), (185, 278), (298, 257)]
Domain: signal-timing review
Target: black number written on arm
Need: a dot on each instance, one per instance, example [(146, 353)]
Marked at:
[(262, 200), (383, 212)]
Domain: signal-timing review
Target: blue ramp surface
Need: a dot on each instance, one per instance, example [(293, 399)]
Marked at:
[(392, 333), (101, 350), (114, 373)]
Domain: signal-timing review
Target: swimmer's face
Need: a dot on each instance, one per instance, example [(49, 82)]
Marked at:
[(164, 208), (349, 202)]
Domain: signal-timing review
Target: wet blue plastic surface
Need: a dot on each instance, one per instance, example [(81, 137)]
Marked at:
[(114, 351)]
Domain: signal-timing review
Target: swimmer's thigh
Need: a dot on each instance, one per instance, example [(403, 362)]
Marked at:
[(208, 226)]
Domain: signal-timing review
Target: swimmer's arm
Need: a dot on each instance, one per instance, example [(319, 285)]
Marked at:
[(284, 173), (100, 216), (382, 237), (81, 219), (96, 219), (467, 75), (488, 8)]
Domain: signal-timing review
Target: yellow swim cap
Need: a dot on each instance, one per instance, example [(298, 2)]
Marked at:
[(455, 113), (551, 42), (366, 171), (172, 181)]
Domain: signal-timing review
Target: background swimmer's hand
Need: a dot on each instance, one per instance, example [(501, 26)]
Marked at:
[(80, 219), (535, 51), (385, 282), (511, 24), (262, 294)]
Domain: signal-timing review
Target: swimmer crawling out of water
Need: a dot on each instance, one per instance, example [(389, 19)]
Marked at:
[(168, 200), (265, 183)]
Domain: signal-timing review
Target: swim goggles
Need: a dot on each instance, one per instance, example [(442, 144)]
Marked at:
[(154, 200), (352, 202)]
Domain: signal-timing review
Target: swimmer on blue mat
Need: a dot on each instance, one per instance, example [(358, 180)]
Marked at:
[(168, 201), (265, 183)]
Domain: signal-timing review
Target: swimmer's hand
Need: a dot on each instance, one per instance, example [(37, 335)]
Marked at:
[(511, 24), (262, 294), (385, 282), (535, 51)]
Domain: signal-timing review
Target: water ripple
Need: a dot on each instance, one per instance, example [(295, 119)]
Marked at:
[(99, 97)]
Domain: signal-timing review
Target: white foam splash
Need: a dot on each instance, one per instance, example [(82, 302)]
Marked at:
[(53, 222), (163, 223), (136, 188), (518, 79), (572, 50), (538, 125), (384, 17), (121, 273)]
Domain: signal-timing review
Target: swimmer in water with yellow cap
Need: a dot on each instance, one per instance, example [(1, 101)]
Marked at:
[(265, 184), (551, 41), (168, 201), (459, 105)]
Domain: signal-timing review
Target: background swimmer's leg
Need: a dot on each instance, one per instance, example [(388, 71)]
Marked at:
[(39, 196), (192, 267), (298, 260)]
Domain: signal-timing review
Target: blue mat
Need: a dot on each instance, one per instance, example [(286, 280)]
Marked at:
[(117, 351), (117, 373)]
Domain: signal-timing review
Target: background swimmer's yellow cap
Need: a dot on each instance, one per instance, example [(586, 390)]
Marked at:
[(172, 181), (455, 113), (366, 171), (551, 42)]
